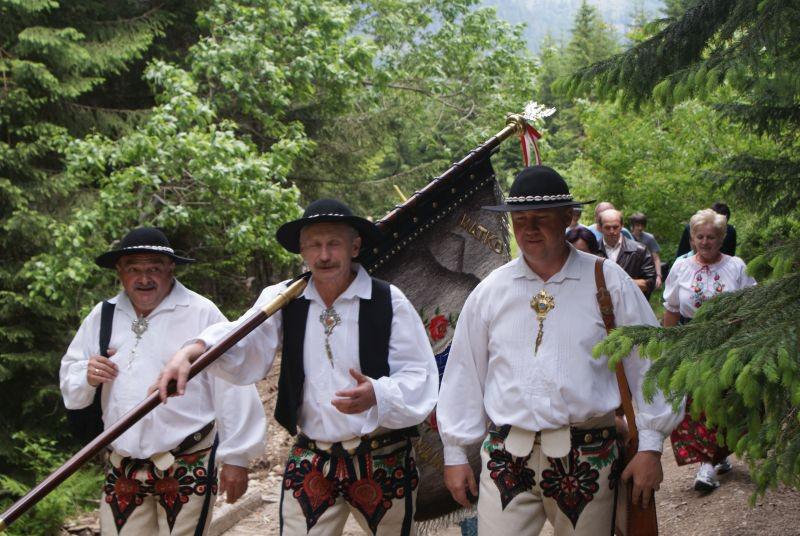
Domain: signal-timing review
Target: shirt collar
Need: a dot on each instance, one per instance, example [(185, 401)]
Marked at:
[(570, 270), (361, 287), (614, 248), (178, 297)]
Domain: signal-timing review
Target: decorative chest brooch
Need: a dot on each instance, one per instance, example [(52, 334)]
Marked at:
[(542, 303), (329, 319)]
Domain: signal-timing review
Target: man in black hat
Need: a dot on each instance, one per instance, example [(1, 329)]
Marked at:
[(161, 473), (357, 376), (521, 359)]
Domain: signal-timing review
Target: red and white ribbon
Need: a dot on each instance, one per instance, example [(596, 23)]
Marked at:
[(527, 141)]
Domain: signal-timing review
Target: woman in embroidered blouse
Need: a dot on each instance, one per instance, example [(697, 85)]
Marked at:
[(691, 282)]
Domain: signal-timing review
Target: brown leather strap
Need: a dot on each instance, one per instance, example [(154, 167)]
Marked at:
[(194, 439), (607, 311)]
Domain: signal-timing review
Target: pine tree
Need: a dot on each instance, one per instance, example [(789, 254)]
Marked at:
[(739, 357), (675, 8), (54, 62), (591, 40)]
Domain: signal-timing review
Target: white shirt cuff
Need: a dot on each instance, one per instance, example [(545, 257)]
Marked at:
[(455, 455), (651, 440)]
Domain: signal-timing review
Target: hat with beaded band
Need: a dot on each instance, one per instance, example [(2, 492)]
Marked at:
[(537, 187), (326, 211), (141, 240)]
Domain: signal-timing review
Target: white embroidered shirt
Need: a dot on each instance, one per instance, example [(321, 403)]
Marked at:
[(493, 374), (690, 283), (241, 423)]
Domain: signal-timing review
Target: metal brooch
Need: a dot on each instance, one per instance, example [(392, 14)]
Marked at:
[(542, 303), (329, 319)]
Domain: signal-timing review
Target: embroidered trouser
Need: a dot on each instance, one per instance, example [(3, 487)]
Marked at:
[(321, 489), (575, 493), (139, 499)]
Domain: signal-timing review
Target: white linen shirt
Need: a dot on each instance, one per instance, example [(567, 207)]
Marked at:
[(241, 423), (492, 372), (691, 283), (404, 398)]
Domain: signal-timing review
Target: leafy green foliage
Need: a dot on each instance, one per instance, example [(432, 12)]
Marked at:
[(36, 458), (184, 171), (443, 76)]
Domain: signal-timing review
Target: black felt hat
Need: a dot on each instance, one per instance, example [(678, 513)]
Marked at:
[(537, 187), (141, 240), (326, 211)]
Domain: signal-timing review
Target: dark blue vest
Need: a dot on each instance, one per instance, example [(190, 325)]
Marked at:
[(374, 332)]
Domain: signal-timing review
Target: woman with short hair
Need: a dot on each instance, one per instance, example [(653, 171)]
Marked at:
[(691, 282)]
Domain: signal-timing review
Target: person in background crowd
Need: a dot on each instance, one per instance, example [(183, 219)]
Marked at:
[(583, 240), (691, 282), (632, 256), (594, 228), (728, 244), (576, 217), (161, 474), (638, 222)]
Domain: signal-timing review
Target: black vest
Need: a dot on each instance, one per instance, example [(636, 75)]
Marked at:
[(374, 331)]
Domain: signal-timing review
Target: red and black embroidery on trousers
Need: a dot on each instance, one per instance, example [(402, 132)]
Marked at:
[(510, 474), (124, 492), (369, 482), (186, 477), (128, 485), (572, 484)]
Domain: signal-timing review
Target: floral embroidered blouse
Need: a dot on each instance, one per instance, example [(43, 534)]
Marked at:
[(690, 283)]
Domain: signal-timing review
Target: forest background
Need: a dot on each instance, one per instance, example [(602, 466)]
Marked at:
[(218, 120)]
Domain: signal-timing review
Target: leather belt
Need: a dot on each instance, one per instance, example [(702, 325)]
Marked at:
[(358, 446), (193, 439), (162, 460), (580, 437)]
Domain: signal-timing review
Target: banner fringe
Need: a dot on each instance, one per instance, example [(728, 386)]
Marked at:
[(431, 526)]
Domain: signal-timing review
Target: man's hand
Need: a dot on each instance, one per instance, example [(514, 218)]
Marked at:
[(460, 479), (645, 469), (101, 369), (232, 482), (178, 369), (358, 399), (658, 282)]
